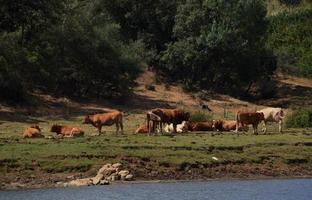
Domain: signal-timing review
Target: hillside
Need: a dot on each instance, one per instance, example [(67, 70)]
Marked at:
[(289, 36)]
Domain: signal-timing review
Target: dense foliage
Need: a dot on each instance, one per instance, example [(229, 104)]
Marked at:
[(290, 35), (60, 47), (94, 48), (219, 44), (300, 118)]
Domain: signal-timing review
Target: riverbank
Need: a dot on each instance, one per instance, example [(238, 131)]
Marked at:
[(37, 163)]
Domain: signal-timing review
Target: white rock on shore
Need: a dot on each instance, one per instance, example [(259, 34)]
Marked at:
[(106, 174)]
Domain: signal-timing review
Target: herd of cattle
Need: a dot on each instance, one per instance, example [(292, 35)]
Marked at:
[(175, 120)]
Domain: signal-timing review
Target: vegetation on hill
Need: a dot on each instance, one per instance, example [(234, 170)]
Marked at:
[(85, 48), (290, 36)]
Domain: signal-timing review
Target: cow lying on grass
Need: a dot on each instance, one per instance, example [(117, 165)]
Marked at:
[(105, 119), (33, 131), (142, 129), (181, 128), (245, 118), (273, 115), (200, 126), (67, 131), (174, 116), (228, 125)]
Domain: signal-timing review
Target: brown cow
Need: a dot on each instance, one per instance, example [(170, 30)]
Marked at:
[(142, 129), (105, 119), (67, 131), (174, 116), (153, 121), (228, 125), (200, 126), (32, 132), (245, 118)]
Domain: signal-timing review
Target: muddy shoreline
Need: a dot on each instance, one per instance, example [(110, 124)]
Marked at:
[(15, 181)]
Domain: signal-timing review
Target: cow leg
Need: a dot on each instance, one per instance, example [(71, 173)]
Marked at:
[(160, 127), (121, 127), (117, 128), (280, 123), (237, 125), (254, 129), (100, 129), (264, 127), (174, 128)]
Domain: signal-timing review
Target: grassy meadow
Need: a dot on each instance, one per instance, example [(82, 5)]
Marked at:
[(145, 154)]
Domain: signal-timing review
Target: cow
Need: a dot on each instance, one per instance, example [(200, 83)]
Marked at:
[(66, 131), (227, 125), (153, 121), (181, 128), (200, 126), (34, 131), (273, 115), (142, 129), (174, 116), (246, 117), (105, 119)]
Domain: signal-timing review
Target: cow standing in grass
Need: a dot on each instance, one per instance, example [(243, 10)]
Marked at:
[(153, 122), (174, 116), (245, 118), (105, 119), (272, 115)]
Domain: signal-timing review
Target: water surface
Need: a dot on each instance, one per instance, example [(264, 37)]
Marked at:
[(279, 189)]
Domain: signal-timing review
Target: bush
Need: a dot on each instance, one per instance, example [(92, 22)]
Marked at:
[(219, 45), (200, 116), (290, 37), (300, 118)]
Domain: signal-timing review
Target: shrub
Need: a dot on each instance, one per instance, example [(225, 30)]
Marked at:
[(290, 37), (200, 116), (219, 45), (300, 118)]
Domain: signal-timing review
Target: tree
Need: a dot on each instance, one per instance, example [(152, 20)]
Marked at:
[(219, 44)]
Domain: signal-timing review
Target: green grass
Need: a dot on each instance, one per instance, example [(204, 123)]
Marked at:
[(91, 151)]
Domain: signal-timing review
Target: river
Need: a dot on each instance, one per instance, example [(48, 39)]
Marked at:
[(270, 189)]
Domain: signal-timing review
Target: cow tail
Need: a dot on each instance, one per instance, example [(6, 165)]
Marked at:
[(237, 121), (147, 121)]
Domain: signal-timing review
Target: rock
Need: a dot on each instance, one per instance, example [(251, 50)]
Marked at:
[(96, 180), (80, 182), (104, 182), (113, 177), (123, 173), (104, 168), (17, 185), (129, 177), (117, 165), (107, 170), (70, 177)]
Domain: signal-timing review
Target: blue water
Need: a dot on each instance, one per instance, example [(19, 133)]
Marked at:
[(281, 189)]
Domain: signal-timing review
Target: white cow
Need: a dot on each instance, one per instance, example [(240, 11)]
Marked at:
[(181, 128), (273, 115)]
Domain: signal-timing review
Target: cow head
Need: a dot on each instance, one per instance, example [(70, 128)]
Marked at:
[(185, 126), (56, 129), (186, 116), (217, 124), (36, 126), (260, 116), (87, 120)]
